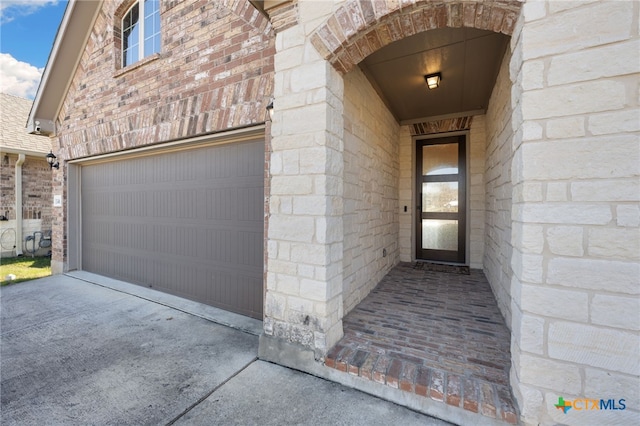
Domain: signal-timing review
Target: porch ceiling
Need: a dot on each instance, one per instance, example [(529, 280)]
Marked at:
[(468, 59)]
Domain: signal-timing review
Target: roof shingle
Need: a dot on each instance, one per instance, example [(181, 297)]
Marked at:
[(14, 112)]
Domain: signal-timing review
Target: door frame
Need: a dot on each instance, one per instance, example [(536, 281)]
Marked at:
[(416, 216)]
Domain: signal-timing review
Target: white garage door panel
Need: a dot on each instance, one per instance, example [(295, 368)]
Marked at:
[(189, 223)]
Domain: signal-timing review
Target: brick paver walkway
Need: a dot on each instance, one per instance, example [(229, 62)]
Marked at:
[(436, 334)]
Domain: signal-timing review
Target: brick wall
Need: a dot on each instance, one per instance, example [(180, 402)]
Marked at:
[(36, 198), (36, 191), (576, 211), (59, 222), (214, 72), (371, 169), (498, 191), (350, 35), (8, 186)]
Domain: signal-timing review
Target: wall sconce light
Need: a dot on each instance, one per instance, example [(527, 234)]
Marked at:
[(51, 159), (270, 109), (433, 80)]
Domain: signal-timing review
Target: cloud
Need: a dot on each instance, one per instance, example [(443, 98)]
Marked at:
[(18, 78), (11, 9)]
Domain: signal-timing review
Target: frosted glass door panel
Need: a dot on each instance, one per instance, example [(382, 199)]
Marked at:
[(440, 159), (440, 234), (440, 197)]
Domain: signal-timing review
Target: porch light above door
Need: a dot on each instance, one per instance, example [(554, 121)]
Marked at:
[(433, 80)]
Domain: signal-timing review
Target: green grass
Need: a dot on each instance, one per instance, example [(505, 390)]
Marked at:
[(24, 268)]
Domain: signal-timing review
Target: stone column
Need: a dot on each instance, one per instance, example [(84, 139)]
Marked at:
[(303, 305)]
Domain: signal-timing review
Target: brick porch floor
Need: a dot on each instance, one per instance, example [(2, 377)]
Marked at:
[(436, 334)]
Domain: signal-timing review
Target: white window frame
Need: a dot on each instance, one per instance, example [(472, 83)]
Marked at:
[(141, 32)]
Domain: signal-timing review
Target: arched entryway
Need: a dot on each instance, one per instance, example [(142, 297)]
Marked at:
[(549, 221), (384, 52), (360, 27), (397, 45)]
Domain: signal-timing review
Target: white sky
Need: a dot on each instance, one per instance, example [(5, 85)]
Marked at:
[(18, 78)]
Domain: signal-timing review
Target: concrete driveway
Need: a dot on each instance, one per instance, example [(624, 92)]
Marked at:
[(83, 349)]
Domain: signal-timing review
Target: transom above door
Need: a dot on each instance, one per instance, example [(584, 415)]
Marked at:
[(441, 196)]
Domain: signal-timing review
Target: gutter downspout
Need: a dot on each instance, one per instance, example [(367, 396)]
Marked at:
[(18, 189)]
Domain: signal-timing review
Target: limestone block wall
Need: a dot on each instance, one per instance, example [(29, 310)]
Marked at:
[(406, 157), (304, 297), (476, 188), (371, 169), (576, 214), (498, 192)]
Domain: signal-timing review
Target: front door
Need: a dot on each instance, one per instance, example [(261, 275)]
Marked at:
[(441, 195)]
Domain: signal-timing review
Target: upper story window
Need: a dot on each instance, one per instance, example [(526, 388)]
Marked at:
[(140, 37)]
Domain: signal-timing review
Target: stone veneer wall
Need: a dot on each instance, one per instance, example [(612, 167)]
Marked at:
[(498, 189), (477, 193), (214, 72), (406, 157), (304, 298), (576, 210), (371, 169)]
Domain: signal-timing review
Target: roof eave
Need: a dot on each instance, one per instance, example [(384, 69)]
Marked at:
[(28, 152), (65, 55)]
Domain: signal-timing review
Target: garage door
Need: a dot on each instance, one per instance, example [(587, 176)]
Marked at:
[(189, 223)]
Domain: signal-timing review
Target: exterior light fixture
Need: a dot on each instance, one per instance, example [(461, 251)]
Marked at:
[(51, 159), (433, 80), (270, 109)]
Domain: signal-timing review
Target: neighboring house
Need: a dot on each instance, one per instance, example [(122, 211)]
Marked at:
[(173, 176), (25, 183)]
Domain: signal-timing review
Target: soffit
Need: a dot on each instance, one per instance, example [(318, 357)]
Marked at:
[(67, 49), (468, 59)]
